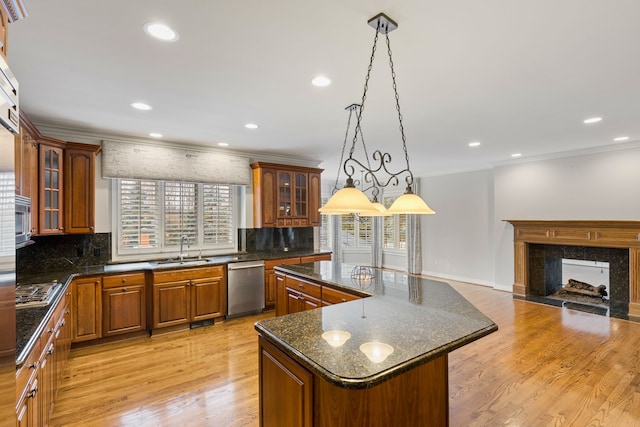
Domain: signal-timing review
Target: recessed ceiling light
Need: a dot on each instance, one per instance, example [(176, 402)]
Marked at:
[(155, 135), (621, 138), (516, 155), (251, 126), (321, 81), (161, 31), (592, 120), (141, 106), (223, 144), (474, 144)]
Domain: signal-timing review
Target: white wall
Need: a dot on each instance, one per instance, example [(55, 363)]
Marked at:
[(457, 242), (595, 186)]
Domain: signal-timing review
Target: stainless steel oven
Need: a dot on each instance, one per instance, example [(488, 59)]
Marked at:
[(23, 221)]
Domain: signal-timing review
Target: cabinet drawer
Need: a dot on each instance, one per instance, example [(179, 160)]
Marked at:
[(188, 273), (27, 370), (123, 280), (308, 288), (314, 258), (334, 296), (283, 261)]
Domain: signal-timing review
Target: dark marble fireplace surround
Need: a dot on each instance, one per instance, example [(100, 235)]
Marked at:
[(545, 271)]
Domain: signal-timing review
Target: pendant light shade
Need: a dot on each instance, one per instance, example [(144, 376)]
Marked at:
[(348, 200), (382, 211), (410, 203)]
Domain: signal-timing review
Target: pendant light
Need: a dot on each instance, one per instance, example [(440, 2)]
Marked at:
[(352, 200)]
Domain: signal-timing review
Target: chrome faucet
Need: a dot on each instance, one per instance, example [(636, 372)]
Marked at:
[(182, 239)]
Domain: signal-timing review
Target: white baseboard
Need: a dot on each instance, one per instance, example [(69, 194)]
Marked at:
[(475, 281)]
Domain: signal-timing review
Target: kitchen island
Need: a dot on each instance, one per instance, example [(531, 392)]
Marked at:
[(379, 360)]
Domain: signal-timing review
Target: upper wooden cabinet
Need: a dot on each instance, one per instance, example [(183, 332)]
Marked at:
[(285, 196), (79, 187), (59, 178), (51, 206)]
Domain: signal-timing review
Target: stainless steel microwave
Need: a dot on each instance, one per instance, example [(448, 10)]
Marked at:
[(23, 221)]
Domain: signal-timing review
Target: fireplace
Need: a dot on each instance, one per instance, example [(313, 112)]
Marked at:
[(540, 246), (545, 274)]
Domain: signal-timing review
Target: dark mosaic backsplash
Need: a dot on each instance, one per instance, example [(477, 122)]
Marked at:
[(275, 239), (53, 253), (545, 265)]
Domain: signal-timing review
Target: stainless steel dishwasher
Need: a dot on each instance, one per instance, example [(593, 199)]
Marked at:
[(245, 288)]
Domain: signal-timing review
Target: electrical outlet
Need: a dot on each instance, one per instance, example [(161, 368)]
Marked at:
[(96, 251)]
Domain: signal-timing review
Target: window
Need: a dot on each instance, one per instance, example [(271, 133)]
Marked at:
[(395, 227), (154, 215)]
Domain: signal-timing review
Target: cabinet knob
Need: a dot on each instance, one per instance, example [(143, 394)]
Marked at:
[(61, 228), (124, 280), (124, 290), (34, 390), (97, 282), (68, 294), (34, 365)]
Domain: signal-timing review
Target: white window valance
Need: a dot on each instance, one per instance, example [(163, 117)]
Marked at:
[(141, 161)]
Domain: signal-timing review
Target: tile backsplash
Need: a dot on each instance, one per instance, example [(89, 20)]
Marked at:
[(275, 239), (55, 253)]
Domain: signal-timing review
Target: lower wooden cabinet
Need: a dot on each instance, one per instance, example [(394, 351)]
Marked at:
[(294, 294), (123, 304), (286, 389), (86, 306), (38, 379), (183, 296), (270, 287)]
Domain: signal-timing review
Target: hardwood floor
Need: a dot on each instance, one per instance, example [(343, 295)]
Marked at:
[(544, 367)]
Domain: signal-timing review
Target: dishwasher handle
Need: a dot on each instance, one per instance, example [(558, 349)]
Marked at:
[(245, 265)]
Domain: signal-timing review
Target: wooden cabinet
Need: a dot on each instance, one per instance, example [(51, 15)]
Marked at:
[(123, 304), (188, 295), (286, 389), (38, 379), (284, 195), (270, 278), (26, 167), (79, 187), (51, 202), (264, 184), (86, 308), (301, 295), (294, 294), (315, 258)]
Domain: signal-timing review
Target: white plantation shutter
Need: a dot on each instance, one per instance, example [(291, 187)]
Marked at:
[(217, 214), (139, 214), (154, 215), (180, 212), (364, 231)]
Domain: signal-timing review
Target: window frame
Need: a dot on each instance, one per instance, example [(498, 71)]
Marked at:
[(237, 194)]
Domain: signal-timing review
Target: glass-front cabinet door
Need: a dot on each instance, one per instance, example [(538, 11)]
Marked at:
[(301, 194), (50, 190), (285, 191)]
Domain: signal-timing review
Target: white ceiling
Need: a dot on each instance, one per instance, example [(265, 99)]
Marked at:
[(519, 76)]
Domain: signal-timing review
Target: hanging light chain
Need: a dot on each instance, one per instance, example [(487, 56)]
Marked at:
[(409, 178), (364, 93), (344, 146)]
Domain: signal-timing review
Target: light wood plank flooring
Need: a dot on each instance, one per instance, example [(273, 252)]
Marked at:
[(544, 367)]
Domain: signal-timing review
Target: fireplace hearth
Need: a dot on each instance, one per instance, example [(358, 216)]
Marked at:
[(540, 246)]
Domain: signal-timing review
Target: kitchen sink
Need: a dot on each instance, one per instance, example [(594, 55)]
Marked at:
[(187, 262)]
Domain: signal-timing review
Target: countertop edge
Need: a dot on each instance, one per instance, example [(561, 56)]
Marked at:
[(28, 348), (372, 380)]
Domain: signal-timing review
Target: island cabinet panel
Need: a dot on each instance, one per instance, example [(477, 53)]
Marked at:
[(315, 258), (123, 304), (419, 397), (301, 295), (206, 298), (86, 308), (286, 390), (270, 278)]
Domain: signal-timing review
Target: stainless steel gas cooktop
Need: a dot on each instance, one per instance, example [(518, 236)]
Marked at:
[(35, 295)]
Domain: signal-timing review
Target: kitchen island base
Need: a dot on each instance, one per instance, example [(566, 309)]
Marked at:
[(291, 395)]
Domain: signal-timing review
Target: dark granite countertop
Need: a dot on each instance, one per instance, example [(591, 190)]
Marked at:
[(31, 321), (420, 318)]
